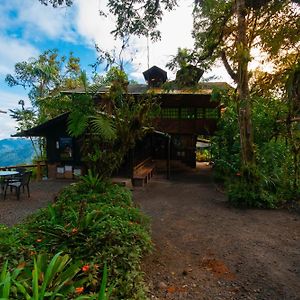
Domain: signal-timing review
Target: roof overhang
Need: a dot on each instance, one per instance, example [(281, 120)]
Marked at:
[(43, 129)]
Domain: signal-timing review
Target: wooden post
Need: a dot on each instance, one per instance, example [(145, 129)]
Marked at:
[(169, 158), (131, 162), (38, 171)]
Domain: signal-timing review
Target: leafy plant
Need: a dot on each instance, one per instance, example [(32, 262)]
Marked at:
[(58, 279), (53, 280), (94, 227), (93, 182)]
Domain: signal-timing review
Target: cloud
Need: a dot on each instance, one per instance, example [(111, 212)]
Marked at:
[(45, 20), (96, 29), (33, 21), (8, 101), (176, 28), (7, 126), (13, 50), (93, 27)]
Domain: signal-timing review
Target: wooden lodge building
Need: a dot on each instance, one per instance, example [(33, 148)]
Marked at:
[(185, 114)]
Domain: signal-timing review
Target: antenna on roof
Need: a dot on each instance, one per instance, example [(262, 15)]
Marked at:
[(148, 52)]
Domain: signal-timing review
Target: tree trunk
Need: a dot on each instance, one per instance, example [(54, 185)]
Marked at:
[(245, 124)]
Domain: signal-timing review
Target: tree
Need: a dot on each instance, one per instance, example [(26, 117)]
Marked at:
[(225, 29), (108, 132), (44, 77)]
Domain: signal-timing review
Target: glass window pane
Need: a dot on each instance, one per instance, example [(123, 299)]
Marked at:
[(170, 113), (211, 113), (200, 113), (187, 113)]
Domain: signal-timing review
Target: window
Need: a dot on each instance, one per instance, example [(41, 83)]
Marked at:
[(200, 113), (170, 113), (211, 113), (66, 148), (187, 113)]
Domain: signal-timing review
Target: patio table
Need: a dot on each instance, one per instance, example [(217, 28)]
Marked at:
[(8, 173), (5, 174)]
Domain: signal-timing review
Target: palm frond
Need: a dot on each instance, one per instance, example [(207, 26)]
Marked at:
[(84, 80), (77, 123), (104, 126)]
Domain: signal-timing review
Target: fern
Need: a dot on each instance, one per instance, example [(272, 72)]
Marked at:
[(104, 126), (77, 123)]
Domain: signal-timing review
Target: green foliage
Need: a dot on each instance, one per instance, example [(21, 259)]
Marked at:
[(10, 246), (203, 155), (139, 17), (104, 126), (77, 123), (56, 3), (43, 76), (94, 224), (58, 278), (93, 182), (108, 132), (80, 114), (250, 189), (273, 176), (226, 144), (49, 280)]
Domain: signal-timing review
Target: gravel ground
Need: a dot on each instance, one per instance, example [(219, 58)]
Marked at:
[(13, 211), (205, 249)]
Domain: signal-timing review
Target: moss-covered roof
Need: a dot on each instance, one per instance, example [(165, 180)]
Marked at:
[(203, 88)]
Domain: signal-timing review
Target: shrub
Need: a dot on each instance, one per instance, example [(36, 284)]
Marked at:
[(92, 227), (59, 278), (250, 189)]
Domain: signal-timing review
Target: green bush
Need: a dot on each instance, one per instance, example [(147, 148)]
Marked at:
[(59, 278), (273, 180), (202, 155), (93, 228), (241, 194)]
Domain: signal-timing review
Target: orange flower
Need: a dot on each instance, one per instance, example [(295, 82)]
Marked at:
[(32, 253), (85, 268), (74, 230), (38, 240), (79, 290)]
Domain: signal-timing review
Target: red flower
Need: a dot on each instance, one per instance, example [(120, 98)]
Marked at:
[(79, 290), (39, 240), (85, 268), (238, 174)]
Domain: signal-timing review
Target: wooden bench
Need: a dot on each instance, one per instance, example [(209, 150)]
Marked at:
[(143, 172)]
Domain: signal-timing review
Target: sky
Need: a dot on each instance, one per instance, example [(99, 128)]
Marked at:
[(28, 28)]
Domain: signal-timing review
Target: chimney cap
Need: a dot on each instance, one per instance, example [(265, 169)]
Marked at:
[(155, 76)]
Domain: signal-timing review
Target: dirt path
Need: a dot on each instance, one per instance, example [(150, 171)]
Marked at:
[(13, 211), (207, 250)]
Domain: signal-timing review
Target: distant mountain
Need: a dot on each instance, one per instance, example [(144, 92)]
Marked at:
[(15, 152)]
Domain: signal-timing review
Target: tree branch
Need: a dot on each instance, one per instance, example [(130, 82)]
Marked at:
[(228, 68)]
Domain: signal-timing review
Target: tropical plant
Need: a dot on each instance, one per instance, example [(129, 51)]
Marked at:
[(273, 176), (43, 77), (93, 227), (108, 132), (58, 278)]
